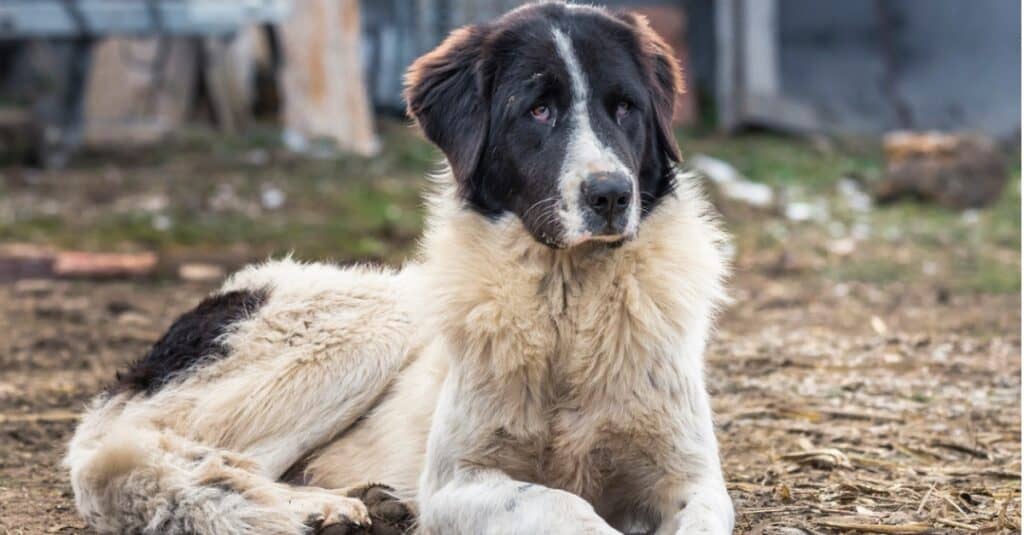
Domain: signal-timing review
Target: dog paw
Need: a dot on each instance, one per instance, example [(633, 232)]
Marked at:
[(389, 515), (326, 512), (701, 525)]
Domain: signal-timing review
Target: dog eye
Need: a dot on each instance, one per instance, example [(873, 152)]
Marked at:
[(541, 113), (622, 109)]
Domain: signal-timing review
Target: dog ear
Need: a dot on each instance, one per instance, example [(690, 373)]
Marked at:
[(444, 93), (664, 78)]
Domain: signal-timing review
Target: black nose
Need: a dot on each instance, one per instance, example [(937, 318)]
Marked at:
[(608, 195)]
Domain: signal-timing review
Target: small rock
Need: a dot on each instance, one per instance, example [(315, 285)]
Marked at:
[(854, 197), (752, 193), (879, 326), (804, 211), (730, 183), (842, 247), (272, 198)]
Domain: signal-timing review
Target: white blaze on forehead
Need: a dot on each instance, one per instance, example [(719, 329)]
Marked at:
[(584, 154)]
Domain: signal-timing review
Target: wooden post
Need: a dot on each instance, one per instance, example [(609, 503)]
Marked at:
[(325, 94), (749, 90)]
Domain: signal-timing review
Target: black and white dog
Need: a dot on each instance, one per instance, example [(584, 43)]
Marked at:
[(537, 369)]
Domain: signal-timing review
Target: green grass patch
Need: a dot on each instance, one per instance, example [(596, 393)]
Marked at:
[(871, 270), (782, 161), (357, 208)]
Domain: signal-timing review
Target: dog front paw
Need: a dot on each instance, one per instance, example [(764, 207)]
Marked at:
[(327, 513), (700, 523), (573, 515)]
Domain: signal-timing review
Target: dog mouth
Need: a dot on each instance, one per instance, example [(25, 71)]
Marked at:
[(607, 231), (611, 240), (572, 229)]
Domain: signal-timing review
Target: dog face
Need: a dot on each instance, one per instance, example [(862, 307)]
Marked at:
[(559, 114)]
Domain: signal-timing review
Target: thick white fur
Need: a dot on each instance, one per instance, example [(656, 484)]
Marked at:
[(202, 455), (505, 386)]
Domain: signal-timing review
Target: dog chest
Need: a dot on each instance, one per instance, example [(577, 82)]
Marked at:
[(584, 443)]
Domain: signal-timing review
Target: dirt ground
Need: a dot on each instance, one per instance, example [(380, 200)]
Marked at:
[(852, 404), (866, 377)]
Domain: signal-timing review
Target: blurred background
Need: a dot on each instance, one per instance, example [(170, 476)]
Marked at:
[(220, 132), (865, 156), (189, 129)]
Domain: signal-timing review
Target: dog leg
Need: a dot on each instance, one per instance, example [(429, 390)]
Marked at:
[(701, 507), (488, 501), (695, 502), (458, 496), (314, 508)]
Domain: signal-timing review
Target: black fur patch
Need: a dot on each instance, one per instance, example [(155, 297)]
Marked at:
[(192, 339)]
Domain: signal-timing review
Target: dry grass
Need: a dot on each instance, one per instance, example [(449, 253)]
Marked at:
[(826, 424), (830, 425)]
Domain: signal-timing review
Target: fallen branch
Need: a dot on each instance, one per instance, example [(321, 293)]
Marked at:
[(955, 524), (962, 448), (820, 458), (45, 417), (850, 525)]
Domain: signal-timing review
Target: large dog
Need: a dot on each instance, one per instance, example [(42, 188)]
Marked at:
[(537, 369)]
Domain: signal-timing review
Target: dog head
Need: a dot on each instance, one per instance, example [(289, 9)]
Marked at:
[(556, 113)]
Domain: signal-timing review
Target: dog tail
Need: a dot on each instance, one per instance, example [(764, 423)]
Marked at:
[(133, 478)]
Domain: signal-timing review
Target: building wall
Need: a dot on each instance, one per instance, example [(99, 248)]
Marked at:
[(866, 67), (862, 67)]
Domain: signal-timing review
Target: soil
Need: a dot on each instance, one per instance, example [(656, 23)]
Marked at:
[(840, 406)]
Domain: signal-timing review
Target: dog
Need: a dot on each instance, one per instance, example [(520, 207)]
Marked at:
[(538, 368)]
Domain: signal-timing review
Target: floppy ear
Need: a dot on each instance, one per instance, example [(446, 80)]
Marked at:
[(444, 93), (664, 78)]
